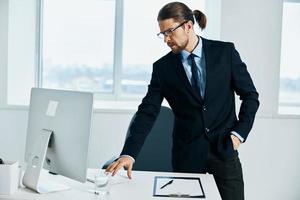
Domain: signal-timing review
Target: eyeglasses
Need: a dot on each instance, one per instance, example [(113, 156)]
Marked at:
[(170, 31)]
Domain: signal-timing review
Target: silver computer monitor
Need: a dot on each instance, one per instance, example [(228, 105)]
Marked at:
[(59, 126)]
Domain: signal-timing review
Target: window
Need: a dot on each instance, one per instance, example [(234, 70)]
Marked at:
[(289, 93), (77, 45), (103, 46), (82, 49)]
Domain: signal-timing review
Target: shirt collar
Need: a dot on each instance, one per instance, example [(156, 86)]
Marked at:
[(197, 51)]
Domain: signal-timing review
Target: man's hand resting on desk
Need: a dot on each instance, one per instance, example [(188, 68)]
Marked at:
[(123, 161)]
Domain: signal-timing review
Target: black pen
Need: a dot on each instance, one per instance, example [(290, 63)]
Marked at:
[(168, 183)]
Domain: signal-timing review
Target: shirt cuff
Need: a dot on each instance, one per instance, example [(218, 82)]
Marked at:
[(238, 136), (128, 157)]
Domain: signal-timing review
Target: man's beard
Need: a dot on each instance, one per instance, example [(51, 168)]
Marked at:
[(178, 48)]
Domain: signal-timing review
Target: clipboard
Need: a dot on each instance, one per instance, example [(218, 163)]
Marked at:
[(181, 187)]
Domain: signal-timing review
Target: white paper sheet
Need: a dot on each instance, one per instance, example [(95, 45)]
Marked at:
[(179, 187)]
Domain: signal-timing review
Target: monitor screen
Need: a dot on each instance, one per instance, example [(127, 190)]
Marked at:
[(68, 115)]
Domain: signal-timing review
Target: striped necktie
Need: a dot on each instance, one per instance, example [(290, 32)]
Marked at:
[(195, 82)]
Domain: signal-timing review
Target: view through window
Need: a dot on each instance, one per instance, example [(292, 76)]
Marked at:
[(77, 45), (289, 93)]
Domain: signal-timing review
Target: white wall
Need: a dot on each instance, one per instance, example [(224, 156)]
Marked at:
[(270, 157), (270, 160), (21, 50)]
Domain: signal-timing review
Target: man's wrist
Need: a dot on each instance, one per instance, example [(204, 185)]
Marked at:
[(128, 157), (238, 136)]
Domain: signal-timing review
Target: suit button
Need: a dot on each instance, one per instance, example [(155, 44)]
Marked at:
[(207, 130), (204, 108)]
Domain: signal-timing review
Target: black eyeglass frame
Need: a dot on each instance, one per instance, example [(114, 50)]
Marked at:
[(170, 31)]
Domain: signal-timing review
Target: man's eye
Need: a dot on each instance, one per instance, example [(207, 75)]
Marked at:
[(168, 32)]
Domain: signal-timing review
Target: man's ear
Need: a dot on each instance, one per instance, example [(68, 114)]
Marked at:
[(189, 25)]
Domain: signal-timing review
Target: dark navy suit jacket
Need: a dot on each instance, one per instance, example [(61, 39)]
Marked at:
[(198, 121)]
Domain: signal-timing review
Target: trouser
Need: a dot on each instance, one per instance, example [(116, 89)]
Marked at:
[(228, 176)]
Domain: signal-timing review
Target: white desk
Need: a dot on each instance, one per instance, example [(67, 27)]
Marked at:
[(140, 187)]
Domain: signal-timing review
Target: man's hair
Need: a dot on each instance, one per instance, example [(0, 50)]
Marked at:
[(180, 13)]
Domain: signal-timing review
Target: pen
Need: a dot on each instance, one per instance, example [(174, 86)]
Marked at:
[(168, 183)]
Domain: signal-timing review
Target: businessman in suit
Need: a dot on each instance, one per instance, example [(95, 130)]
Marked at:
[(198, 78)]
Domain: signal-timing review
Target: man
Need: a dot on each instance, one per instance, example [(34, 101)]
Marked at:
[(198, 78)]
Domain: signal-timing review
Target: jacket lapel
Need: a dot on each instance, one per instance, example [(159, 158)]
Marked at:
[(181, 73), (207, 50)]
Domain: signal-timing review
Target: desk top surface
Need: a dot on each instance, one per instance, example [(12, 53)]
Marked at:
[(122, 188)]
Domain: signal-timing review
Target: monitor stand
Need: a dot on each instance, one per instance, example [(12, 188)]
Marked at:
[(35, 164)]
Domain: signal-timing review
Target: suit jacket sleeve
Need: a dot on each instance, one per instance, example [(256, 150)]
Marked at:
[(244, 87), (145, 117)]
